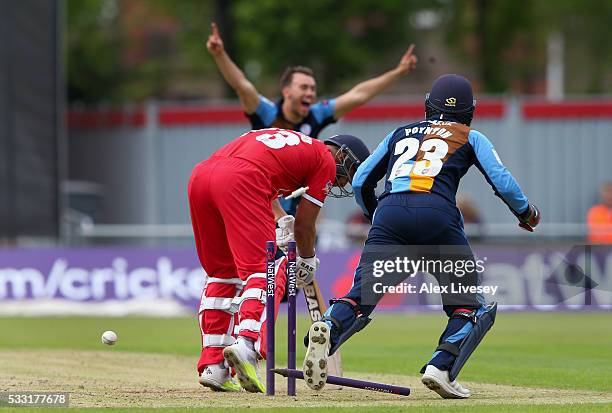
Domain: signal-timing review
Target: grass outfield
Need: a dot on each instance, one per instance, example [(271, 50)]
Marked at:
[(540, 362)]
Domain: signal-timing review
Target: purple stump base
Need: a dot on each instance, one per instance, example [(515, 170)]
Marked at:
[(345, 381)]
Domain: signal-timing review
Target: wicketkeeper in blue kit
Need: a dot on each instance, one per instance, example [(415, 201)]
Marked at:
[(422, 163)]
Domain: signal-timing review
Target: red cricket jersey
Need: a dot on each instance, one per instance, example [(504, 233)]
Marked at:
[(291, 159)]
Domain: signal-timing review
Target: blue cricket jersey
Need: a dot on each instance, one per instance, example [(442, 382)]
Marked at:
[(431, 157), (270, 115)]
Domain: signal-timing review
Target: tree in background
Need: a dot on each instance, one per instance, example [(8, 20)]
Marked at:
[(138, 49), (494, 37), (506, 42), (93, 46), (133, 50), (586, 28), (341, 40)]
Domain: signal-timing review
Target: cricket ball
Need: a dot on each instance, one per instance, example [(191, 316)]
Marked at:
[(109, 337)]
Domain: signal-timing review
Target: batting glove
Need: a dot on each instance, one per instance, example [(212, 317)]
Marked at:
[(530, 218), (284, 232), (305, 270)]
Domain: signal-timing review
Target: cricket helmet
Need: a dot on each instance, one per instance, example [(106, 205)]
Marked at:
[(451, 98), (355, 152)]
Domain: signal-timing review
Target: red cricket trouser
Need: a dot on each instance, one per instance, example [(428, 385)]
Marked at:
[(230, 204)]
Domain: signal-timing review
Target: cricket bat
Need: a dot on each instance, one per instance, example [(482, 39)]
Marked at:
[(316, 308)]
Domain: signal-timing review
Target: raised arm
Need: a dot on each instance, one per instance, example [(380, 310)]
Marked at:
[(364, 91), (249, 98)]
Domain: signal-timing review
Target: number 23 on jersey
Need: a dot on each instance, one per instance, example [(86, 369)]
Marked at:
[(434, 151)]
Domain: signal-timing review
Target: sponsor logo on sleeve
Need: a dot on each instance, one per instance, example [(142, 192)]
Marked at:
[(328, 187)]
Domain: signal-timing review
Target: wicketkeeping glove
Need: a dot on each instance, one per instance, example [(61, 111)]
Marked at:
[(530, 218), (305, 270), (284, 232)]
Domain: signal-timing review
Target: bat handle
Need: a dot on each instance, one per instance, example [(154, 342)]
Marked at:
[(297, 193)]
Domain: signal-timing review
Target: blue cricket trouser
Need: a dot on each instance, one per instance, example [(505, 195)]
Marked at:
[(408, 219)]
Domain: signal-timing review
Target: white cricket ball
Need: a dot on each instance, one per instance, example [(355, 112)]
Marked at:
[(109, 337)]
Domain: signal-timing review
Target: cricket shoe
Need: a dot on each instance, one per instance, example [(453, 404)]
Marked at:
[(315, 362), (243, 358), (438, 381), (218, 378)]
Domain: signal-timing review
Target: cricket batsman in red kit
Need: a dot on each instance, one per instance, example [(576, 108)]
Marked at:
[(233, 200)]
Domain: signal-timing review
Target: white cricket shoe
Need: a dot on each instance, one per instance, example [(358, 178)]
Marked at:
[(315, 362), (438, 381), (218, 378), (243, 358)]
